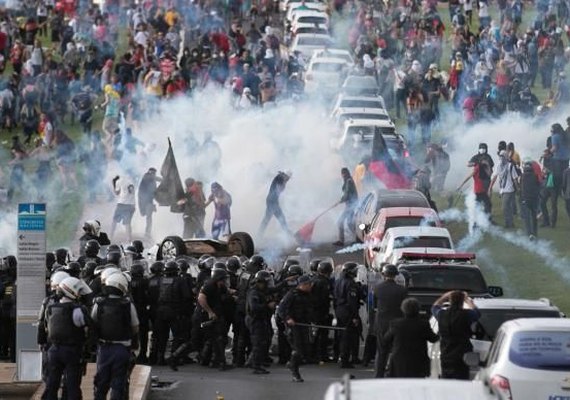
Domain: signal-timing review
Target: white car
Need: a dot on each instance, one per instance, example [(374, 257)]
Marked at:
[(310, 17), (306, 43), (359, 133), (412, 239), (295, 8), (324, 74), (494, 312), (286, 4), (528, 360), (309, 29), (360, 85), (408, 389), (375, 114), (334, 53), (347, 102)]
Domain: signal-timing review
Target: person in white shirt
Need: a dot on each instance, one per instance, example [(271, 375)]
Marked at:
[(124, 189), (507, 174)]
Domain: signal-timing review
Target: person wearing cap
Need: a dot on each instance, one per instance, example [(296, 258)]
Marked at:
[(222, 215), (273, 208), (146, 191), (388, 297), (296, 308), (350, 199)]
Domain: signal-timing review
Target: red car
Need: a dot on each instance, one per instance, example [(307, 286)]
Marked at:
[(391, 217)]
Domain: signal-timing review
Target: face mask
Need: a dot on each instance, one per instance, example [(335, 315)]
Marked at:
[(482, 151)]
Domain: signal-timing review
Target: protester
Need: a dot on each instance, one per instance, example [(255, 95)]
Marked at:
[(222, 216), (273, 208)]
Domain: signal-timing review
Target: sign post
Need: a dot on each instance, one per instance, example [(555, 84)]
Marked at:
[(30, 286)]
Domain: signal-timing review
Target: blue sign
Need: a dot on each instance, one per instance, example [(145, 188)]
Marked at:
[(31, 217)]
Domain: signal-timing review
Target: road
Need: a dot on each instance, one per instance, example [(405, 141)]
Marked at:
[(200, 383)]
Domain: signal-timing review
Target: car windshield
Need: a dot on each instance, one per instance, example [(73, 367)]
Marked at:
[(334, 54), (441, 242), (393, 222), (307, 29), (361, 104), (313, 41), (445, 279), (492, 319), (312, 20), (359, 82), (545, 350), (382, 117), (327, 67)]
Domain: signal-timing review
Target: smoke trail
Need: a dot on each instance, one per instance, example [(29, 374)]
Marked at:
[(500, 270), (353, 248)]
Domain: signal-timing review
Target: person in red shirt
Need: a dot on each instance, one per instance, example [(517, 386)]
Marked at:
[(481, 174)]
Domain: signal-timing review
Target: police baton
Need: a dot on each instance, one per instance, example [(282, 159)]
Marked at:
[(334, 328)]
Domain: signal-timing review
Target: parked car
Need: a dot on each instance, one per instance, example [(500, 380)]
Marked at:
[(373, 233), (306, 43), (334, 53), (494, 312), (408, 389), (360, 85), (528, 360), (411, 239), (324, 74)]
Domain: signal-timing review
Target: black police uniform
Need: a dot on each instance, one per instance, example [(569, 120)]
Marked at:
[(66, 340), (297, 305), (42, 334), (115, 320), (140, 296), (258, 322), (347, 297), (153, 294), (321, 294), (241, 333)]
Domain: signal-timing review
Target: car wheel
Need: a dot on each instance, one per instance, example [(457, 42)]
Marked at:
[(171, 247), (241, 244)]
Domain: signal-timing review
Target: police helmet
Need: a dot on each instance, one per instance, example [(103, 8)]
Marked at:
[(262, 276), (157, 267), (314, 264), (73, 269), (389, 270), (205, 263), (233, 264), (56, 279), (89, 270), (114, 257), (325, 268), (295, 270), (100, 268), (118, 281), (61, 256), (113, 247), (220, 265), (92, 248), (290, 262), (350, 268), (107, 272), (256, 263), (131, 249), (171, 267), (219, 275), (70, 287), (138, 245), (137, 270), (83, 289), (303, 279), (183, 265), (50, 260)]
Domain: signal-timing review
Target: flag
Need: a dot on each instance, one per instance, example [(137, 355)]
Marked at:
[(383, 166), (170, 189)]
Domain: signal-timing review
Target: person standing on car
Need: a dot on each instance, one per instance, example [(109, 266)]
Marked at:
[(455, 332), (388, 296), (273, 208), (347, 298), (350, 199), (408, 337), (222, 203), (193, 210)]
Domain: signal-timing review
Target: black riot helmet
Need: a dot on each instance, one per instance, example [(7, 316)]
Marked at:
[(92, 248), (219, 275), (325, 268), (157, 267), (256, 263), (138, 245), (89, 270), (350, 268), (295, 270), (219, 265), (314, 264), (205, 262), (61, 256), (263, 276), (171, 268), (113, 257), (137, 270), (50, 260), (183, 265), (233, 264), (389, 271), (73, 269), (113, 247)]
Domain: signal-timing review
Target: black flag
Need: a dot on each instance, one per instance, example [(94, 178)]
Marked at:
[(170, 189)]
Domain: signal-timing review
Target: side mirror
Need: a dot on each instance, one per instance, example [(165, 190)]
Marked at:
[(472, 359), (495, 291)]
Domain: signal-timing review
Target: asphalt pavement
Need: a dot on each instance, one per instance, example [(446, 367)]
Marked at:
[(201, 383)]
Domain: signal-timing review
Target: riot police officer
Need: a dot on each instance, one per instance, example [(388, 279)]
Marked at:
[(61, 256), (156, 270), (92, 248), (347, 297), (295, 309), (9, 268), (205, 265), (73, 268), (139, 294), (389, 297), (258, 320), (116, 324), (322, 300), (66, 321), (255, 264), (173, 296)]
